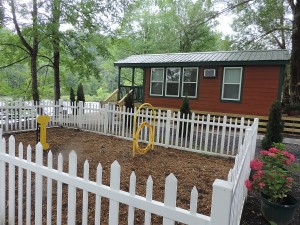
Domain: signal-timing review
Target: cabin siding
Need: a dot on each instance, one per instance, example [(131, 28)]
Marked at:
[(259, 90)]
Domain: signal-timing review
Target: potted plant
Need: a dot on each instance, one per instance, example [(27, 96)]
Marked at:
[(271, 177)]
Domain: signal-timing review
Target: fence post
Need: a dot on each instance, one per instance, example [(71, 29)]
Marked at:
[(2, 181), (60, 112), (80, 113), (168, 128), (106, 118), (221, 202)]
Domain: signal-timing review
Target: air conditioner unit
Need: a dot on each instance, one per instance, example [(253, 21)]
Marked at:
[(209, 73)]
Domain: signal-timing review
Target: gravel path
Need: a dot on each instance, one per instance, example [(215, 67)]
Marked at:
[(252, 214)]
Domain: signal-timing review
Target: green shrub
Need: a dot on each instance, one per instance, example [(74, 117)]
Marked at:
[(185, 112), (279, 146), (129, 102), (274, 127), (80, 93), (72, 96)]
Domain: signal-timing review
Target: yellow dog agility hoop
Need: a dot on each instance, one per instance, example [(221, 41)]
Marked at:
[(135, 144)]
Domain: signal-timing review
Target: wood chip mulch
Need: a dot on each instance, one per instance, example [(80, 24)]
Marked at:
[(191, 169)]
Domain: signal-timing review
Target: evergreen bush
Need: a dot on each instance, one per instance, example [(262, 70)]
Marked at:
[(185, 112), (72, 95), (72, 99), (274, 127), (80, 93)]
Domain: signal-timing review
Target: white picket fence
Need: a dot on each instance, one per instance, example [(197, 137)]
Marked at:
[(208, 135), (216, 136)]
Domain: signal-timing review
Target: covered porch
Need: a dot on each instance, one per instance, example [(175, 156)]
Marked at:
[(131, 80)]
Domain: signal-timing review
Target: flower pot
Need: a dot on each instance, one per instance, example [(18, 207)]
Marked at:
[(281, 214)]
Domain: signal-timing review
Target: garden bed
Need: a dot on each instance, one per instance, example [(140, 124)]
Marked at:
[(191, 169)]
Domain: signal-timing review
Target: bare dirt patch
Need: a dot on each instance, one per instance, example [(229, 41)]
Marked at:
[(191, 169)]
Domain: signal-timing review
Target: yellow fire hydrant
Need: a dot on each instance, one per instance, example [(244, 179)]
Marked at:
[(42, 121)]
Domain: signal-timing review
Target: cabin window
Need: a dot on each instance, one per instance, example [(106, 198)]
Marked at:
[(172, 82), (232, 82), (189, 82), (157, 81)]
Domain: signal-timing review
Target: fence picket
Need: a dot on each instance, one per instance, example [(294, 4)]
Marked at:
[(72, 189), (206, 132), (149, 193), (49, 190), (38, 185), (59, 190), (194, 201), (20, 188), (98, 197), (170, 196), (28, 188), (2, 181), (132, 186), (114, 185), (85, 198), (11, 183), (223, 134)]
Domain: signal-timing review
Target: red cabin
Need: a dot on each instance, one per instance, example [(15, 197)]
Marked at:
[(232, 82)]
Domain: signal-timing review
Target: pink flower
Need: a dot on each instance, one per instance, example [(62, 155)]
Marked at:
[(256, 164), (261, 185), (289, 179), (258, 175), (291, 158), (264, 152), (274, 150), (272, 154), (248, 184)]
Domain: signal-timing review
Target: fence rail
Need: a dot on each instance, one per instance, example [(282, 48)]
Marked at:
[(203, 134)]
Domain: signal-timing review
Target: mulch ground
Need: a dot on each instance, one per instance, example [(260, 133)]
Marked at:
[(191, 169)]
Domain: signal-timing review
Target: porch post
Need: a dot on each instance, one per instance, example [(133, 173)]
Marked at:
[(119, 82), (132, 83)]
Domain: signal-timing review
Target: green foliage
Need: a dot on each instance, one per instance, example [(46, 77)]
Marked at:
[(263, 24), (280, 146), (129, 102), (185, 112), (72, 95), (185, 107), (274, 127), (80, 93)]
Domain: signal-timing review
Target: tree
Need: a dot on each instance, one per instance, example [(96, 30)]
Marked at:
[(295, 54), (1, 14), (80, 93), (274, 127), (32, 50), (72, 95), (262, 24)]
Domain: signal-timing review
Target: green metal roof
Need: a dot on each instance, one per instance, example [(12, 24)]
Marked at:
[(267, 57)]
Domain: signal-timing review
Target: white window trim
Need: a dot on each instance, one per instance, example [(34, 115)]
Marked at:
[(175, 82), (162, 90), (240, 84), (183, 82), (214, 76)]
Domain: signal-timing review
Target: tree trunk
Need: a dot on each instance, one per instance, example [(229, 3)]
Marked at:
[(55, 44), (35, 47), (34, 83), (1, 14), (295, 56)]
